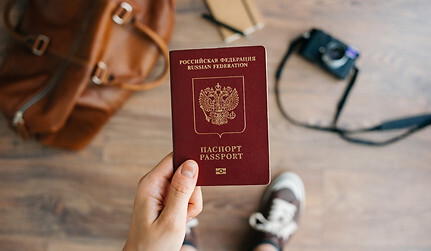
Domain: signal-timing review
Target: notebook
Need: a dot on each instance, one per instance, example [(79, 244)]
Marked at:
[(242, 15)]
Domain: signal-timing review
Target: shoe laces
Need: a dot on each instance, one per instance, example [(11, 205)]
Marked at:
[(280, 219), (191, 224)]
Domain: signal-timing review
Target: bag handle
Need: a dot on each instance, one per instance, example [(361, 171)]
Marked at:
[(123, 14), (165, 52)]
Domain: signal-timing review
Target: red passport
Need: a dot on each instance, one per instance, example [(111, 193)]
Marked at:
[(220, 114)]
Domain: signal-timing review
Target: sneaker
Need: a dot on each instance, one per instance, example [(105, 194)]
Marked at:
[(190, 238), (282, 203)]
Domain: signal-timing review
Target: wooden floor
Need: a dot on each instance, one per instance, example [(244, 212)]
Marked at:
[(358, 197)]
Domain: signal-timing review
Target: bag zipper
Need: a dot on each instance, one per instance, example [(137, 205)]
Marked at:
[(18, 119)]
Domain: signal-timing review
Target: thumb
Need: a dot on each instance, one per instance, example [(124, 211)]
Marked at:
[(182, 186)]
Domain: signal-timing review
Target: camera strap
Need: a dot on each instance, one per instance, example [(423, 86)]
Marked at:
[(411, 124)]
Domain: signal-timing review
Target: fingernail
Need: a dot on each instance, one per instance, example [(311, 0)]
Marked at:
[(189, 168)]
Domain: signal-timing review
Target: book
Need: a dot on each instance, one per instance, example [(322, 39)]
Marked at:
[(220, 113), (242, 15)]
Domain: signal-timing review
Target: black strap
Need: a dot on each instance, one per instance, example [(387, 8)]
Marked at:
[(412, 124)]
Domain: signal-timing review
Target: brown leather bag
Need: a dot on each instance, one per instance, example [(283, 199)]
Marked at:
[(71, 64)]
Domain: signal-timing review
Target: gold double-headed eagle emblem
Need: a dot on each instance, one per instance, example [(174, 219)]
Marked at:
[(218, 104)]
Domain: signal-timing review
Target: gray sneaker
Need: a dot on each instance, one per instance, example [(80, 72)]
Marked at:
[(281, 206)]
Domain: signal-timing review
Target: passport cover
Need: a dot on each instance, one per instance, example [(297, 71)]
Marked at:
[(220, 114)]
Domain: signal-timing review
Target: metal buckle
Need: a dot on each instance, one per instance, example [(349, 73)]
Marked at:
[(100, 74), (40, 44), (123, 13)]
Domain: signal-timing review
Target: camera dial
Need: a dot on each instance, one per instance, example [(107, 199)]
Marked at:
[(334, 54)]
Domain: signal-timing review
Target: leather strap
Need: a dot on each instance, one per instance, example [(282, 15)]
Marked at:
[(165, 53), (38, 43), (6, 18)]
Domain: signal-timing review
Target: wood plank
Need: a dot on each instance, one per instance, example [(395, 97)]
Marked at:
[(358, 198), (391, 209), (22, 242)]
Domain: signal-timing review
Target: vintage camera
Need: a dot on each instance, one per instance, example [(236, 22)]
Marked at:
[(333, 55)]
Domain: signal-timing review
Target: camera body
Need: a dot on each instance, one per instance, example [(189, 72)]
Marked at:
[(330, 53)]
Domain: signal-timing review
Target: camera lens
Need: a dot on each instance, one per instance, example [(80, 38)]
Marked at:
[(334, 55)]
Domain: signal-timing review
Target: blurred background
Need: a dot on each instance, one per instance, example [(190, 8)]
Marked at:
[(358, 197)]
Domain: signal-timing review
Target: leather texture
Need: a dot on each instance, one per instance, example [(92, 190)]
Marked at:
[(60, 104)]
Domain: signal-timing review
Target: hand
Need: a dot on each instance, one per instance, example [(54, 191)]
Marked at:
[(163, 205)]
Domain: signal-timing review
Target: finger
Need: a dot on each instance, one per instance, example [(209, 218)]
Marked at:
[(182, 186), (156, 182), (195, 203), (153, 187)]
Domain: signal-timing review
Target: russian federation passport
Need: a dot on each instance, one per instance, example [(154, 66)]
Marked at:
[(220, 114)]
